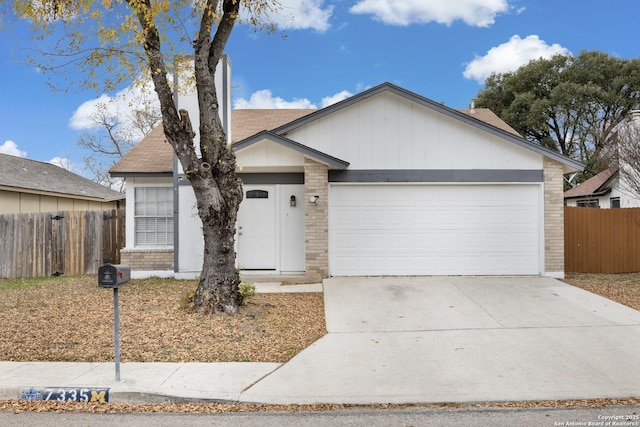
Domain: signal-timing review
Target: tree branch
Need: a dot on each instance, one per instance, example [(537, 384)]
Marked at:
[(175, 132)]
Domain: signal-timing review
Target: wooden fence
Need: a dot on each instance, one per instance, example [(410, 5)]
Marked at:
[(601, 240), (70, 243)]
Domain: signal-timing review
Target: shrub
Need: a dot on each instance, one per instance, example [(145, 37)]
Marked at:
[(246, 290)]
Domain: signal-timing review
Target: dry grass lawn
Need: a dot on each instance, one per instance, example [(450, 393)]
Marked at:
[(71, 319), (622, 288)]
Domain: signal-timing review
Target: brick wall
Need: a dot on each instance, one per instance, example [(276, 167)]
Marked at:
[(553, 218), (316, 219), (147, 259)]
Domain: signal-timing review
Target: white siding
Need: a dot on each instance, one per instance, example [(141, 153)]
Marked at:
[(266, 155), (389, 132)]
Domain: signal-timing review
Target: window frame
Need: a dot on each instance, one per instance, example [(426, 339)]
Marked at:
[(588, 203), (613, 200), (155, 214)]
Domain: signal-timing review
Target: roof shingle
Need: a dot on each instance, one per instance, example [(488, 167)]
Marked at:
[(23, 174), (155, 155), (593, 186)]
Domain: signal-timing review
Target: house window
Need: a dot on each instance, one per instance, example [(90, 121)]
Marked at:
[(615, 202), (153, 216), (590, 203)]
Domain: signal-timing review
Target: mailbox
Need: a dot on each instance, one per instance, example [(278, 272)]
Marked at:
[(113, 275)]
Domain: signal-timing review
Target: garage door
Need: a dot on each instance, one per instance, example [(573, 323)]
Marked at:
[(434, 229)]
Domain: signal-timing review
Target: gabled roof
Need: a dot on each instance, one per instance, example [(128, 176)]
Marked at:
[(319, 156), (595, 186), (506, 133), (248, 122), (153, 156), (24, 175)]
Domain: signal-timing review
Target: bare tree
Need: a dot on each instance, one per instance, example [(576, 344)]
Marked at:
[(112, 133), (628, 155)]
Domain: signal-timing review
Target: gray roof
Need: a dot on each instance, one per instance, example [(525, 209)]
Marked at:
[(20, 174)]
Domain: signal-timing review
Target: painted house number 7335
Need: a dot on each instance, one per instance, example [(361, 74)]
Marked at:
[(75, 395)]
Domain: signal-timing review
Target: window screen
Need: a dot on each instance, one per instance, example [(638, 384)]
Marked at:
[(153, 208)]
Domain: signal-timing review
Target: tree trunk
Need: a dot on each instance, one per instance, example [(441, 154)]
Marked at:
[(218, 193), (212, 175)]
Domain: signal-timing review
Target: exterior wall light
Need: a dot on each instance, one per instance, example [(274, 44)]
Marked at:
[(314, 199)]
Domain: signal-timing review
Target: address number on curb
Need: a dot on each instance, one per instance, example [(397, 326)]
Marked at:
[(66, 394)]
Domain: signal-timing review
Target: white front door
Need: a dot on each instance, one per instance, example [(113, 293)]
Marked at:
[(257, 229)]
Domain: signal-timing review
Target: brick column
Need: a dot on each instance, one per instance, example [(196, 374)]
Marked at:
[(316, 219), (553, 219)]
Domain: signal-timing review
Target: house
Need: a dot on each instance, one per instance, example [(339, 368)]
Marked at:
[(28, 186), (603, 190), (387, 182)]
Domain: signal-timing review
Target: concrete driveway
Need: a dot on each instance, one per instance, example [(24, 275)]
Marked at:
[(461, 339)]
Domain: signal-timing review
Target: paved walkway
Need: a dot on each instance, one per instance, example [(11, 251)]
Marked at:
[(406, 340)]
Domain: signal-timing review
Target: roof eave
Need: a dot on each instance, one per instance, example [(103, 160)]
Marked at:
[(62, 195), (594, 194), (141, 174)]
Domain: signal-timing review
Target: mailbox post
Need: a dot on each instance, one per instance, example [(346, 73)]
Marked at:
[(113, 276)]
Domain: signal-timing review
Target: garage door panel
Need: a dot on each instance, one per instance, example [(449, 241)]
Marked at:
[(434, 229)]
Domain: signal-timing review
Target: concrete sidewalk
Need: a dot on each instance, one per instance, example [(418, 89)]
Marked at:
[(404, 340), (139, 382)]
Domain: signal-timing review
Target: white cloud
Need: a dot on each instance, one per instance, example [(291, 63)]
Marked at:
[(118, 105), (81, 118), (510, 56), (302, 15), (265, 99), (11, 148), (62, 162), (330, 100), (477, 13)]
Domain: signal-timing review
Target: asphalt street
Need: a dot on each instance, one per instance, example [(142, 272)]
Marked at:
[(413, 417)]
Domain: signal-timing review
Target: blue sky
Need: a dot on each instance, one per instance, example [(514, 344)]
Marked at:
[(441, 49)]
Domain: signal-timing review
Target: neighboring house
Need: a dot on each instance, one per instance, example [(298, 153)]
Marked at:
[(32, 186), (386, 182), (602, 191)]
